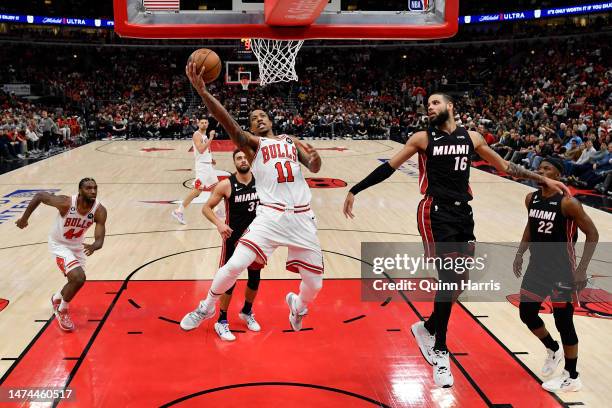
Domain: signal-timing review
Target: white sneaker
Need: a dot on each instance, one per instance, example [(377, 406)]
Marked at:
[(223, 330), (178, 215), (295, 318), (193, 319), (425, 340), (250, 321), (441, 370), (563, 383), (553, 359)]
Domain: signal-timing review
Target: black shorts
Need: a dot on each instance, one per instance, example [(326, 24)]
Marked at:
[(447, 228), (541, 282), (227, 250)]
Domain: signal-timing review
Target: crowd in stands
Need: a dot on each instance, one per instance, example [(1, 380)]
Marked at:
[(529, 100)]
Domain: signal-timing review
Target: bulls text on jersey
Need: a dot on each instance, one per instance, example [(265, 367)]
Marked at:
[(273, 151), (77, 223)]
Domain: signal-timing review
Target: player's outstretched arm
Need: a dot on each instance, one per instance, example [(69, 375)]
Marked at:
[(99, 232), (417, 142), (572, 208), (221, 191), (61, 202), (484, 151), (308, 155), (244, 140), (517, 266)]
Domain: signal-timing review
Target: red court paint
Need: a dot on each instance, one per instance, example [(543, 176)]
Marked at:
[(364, 362)]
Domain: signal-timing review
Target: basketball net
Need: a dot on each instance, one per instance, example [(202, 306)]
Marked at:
[(276, 59), (245, 83)]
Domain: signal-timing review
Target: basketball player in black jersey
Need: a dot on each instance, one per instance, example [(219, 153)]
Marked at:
[(240, 204), (444, 216), (550, 234)]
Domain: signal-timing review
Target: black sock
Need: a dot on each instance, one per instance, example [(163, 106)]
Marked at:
[(246, 309), (222, 315), (443, 313), (549, 343), (570, 366)]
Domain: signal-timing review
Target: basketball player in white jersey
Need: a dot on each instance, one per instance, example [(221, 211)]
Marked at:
[(283, 217), (66, 240), (205, 175)]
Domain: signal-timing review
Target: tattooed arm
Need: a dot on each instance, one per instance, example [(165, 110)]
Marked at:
[(495, 160)]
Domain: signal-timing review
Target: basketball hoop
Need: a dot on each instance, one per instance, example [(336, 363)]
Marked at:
[(245, 83), (276, 59)]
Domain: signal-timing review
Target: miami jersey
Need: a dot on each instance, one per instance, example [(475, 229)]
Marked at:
[(69, 230), (277, 169)]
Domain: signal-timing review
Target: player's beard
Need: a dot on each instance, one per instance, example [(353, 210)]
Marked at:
[(440, 118), (243, 170)]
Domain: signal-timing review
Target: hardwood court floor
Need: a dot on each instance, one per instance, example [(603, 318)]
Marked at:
[(169, 265)]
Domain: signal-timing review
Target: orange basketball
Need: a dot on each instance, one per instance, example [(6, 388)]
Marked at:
[(209, 60)]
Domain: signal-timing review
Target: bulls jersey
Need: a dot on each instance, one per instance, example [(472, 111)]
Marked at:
[(278, 173), (202, 160), (240, 206), (552, 235), (444, 167), (69, 230)]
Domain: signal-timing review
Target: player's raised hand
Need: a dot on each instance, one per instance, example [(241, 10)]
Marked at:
[(21, 223), (348, 205), (517, 265), (195, 77), (224, 230), (558, 186), (212, 134)]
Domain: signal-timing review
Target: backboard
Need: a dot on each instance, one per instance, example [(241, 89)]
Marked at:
[(288, 19)]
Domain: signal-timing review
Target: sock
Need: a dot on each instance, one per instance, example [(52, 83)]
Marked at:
[(550, 343), (58, 296), (180, 208), (210, 300), (430, 324), (222, 315), (570, 366), (63, 306), (246, 309)]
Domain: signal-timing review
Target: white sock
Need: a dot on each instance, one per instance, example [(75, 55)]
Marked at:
[(180, 208), (58, 296), (63, 306), (226, 275)]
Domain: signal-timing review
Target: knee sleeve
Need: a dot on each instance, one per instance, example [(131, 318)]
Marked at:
[(226, 275), (309, 287), (254, 278), (529, 315), (564, 320)]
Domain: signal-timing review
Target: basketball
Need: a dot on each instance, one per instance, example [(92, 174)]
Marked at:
[(208, 59)]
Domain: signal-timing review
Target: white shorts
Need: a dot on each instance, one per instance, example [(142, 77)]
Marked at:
[(67, 258), (272, 228), (206, 177)]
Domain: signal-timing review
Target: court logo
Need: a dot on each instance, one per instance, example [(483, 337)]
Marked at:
[(323, 182), (593, 302), (3, 304), (15, 203)]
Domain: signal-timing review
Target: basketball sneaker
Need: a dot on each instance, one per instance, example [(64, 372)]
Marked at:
[(223, 330), (55, 304), (425, 341), (178, 215), (193, 319), (295, 318), (250, 321), (64, 321), (563, 383), (441, 369), (553, 359)]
